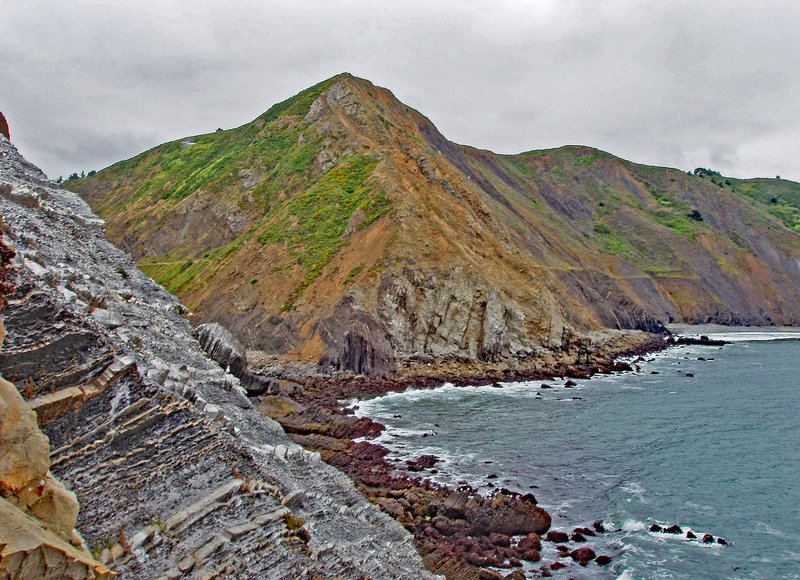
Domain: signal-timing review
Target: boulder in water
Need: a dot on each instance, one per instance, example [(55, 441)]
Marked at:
[(530, 542), (556, 537), (583, 555)]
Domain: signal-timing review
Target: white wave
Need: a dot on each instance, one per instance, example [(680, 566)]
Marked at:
[(633, 526), (739, 334), (634, 488)]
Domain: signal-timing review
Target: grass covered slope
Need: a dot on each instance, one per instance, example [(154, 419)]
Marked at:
[(341, 226)]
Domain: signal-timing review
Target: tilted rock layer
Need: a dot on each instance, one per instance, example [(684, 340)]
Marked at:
[(344, 209), (37, 513), (175, 471)]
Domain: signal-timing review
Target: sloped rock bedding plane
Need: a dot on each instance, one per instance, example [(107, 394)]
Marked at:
[(176, 473)]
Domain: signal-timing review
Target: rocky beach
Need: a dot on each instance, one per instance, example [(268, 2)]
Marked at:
[(460, 532)]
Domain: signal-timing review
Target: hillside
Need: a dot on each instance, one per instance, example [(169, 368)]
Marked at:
[(341, 228)]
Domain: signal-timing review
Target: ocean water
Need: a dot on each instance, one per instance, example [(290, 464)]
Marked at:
[(704, 437)]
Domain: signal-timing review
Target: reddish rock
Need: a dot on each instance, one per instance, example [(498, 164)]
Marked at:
[(531, 555), (557, 565), (584, 531), (577, 537), (500, 540), (673, 529), (530, 542), (599, 527), (690, 535), (4, 126), (708, 539), (655, 528), (582, 555), (602, 560), (423, 462), (722, 542), (447, 526), (556, 537)]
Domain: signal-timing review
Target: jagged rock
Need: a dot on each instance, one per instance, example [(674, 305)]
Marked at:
[(530, 542), (25, 463), (449, 313), (221, 346), (29, 551), (502, 513), (355, 341)]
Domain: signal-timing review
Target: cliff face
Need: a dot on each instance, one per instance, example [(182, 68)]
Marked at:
[(342, 228), (37, 513), (175, 471)]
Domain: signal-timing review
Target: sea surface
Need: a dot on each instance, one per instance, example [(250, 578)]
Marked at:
[(704, 437)]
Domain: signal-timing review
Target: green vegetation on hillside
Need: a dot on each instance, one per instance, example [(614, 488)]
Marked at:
[(265, 168), (312, 222), (782, 197), (177, 275)]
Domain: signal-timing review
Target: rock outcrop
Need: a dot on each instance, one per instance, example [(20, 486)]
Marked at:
[(37, 513), (4, 126), (175, 471)]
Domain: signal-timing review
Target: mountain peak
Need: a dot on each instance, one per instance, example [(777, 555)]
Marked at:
[(340, 226)]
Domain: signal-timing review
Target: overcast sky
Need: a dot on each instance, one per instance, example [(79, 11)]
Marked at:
[(683, 84)]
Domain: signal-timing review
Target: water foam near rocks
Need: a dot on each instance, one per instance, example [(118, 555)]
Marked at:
[(699, 447)]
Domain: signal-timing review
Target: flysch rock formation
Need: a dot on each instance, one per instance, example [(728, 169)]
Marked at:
[(175, 472), (37, 513)]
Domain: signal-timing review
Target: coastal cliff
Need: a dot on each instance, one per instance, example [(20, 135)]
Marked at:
[(341, 229), (174, 470)]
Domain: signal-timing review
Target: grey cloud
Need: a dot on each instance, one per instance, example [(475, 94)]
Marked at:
[(676, 83)]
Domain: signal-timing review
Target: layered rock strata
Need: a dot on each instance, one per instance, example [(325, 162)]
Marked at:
[(175, 471), (37, 513)]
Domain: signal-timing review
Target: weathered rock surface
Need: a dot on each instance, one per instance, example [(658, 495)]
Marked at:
[(174, 469), (37, 514)]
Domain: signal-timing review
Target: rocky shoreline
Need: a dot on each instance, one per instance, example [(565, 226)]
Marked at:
[(458, 531)]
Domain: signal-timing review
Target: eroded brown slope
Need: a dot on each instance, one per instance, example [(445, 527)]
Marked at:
[(342, 227)]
